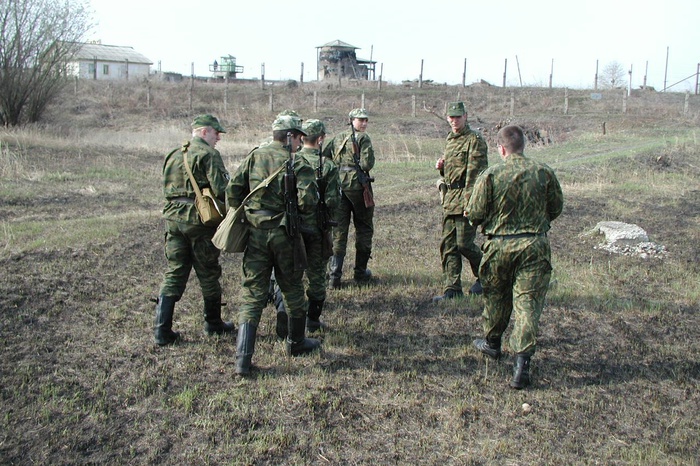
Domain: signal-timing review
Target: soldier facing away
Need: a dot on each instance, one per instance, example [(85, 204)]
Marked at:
[(464, 159), (187, 241), (270, 248), (514, 202), (318, 240)]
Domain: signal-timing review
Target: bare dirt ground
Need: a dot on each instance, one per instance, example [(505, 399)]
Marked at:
[(615, 378)]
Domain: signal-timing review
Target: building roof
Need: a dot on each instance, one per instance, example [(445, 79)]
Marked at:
[(114, 53), (338, 43)]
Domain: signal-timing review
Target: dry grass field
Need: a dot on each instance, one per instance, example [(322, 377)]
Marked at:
[(615, 378)]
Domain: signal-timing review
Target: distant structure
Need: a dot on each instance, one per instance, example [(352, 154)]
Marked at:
[(226, 68), (337, 59), (108, 62)]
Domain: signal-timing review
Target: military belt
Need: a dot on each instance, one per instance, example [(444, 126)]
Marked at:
[(183, 200), (456, 185), (269, 213), (519, 235)]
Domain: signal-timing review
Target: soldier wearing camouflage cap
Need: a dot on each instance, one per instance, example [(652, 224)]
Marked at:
[(463, 160), (187, 241), (515, 202), (269, 247), (352, 202), (318, 242)]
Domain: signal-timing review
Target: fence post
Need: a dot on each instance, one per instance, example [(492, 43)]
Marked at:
[(566, 101), (272, 107), (315, 101), (512, 103), (413, 106), (687, 102)]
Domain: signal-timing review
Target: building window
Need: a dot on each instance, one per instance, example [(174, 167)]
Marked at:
[(105, 69)]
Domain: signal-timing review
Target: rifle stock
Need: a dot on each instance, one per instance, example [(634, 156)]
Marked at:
[(292, 212), (362, 176)]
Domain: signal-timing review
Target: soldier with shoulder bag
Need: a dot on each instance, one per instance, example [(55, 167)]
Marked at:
[(189, 172)]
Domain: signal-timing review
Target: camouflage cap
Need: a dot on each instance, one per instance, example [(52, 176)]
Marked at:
[(288, 112), (359, 113), (205, 120), (287, 123), (456, 109), (314, 128)]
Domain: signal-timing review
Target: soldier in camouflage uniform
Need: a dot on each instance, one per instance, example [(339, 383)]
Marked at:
[(352, 204), (269, 247), (318, 241), (514, 202), (187, 241), (464, 159)]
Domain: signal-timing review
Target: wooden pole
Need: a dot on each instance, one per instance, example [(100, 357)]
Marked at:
[(464, 74), (505, 68), (262, 76), (420, 76), (551, 73)]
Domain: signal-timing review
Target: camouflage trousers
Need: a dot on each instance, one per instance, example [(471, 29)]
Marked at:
[(515, 276), (316, 271), (188, 246), (352, 206), (457, 241), (270, 250)]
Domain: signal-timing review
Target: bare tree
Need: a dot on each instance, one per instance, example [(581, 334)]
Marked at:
[(613, 75), (37, 39)]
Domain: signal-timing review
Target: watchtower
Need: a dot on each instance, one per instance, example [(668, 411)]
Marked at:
[(226, 68)]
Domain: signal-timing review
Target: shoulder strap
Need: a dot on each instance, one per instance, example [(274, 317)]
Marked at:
[(266, 182), (197, 192)]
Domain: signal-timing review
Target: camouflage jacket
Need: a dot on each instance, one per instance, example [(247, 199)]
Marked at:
[(465, 159), (340, 150), (208, 170), (517, 196), (266, 208), (329, 176)]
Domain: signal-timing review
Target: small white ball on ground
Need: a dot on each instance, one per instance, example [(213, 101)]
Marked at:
[(526, 408)]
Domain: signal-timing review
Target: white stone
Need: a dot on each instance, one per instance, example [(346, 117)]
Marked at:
[(620, 233)]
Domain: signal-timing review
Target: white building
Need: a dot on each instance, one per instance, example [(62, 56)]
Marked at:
[(97, 61)]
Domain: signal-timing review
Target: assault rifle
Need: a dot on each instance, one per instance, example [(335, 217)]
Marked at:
[(291, 210), (325, 222), (362, 176)]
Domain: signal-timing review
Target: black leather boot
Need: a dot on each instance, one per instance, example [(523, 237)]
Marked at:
[(490, 346), (361, 273), (521, 371), (449, 294), (297, 344), (245, 347), (335, 271), (313, 316), (213, 325), (163, 333), (281, 327)]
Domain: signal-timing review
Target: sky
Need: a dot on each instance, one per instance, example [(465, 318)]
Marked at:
[(528, 40)]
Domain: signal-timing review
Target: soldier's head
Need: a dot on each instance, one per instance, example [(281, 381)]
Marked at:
[(288, 124), (510, 140), (456, 116), (208, 128), (359, 117), (315, 132)]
